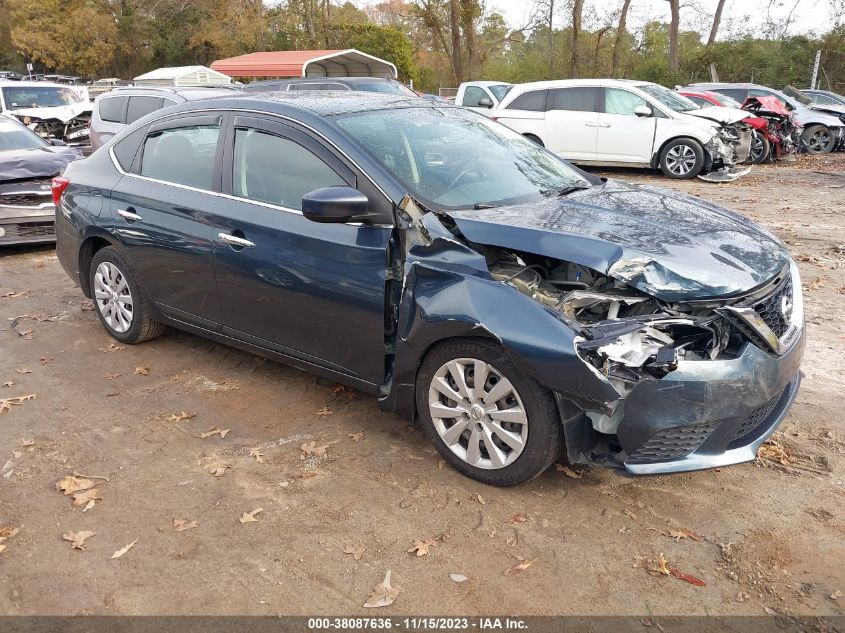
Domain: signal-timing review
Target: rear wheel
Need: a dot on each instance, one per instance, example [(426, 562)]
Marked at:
[(487, 419), (761, 148), (122, 308), (682, 158), (818, 139)]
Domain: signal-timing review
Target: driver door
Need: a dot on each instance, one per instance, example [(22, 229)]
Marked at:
[(309, 290)]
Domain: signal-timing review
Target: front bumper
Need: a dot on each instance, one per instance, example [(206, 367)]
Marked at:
[(27, 226), (708, 414)]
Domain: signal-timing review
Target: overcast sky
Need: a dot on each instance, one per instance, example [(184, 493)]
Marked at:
[(738, 16)]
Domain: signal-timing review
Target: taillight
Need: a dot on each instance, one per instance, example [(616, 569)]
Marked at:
[(58, 184)]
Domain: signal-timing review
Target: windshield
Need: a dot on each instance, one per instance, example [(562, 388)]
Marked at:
[(39, 96), (673, 100), (500, 91), (14, 136), (728, 102), (454, 158), (387, 87), (797, 95)]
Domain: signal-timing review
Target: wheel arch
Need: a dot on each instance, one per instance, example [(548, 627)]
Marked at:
[(91, 244), (655, 158)]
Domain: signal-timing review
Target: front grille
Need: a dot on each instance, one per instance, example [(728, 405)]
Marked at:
[(24, 199), (672, 443), (28, 230), (757, 417), (770, 308)]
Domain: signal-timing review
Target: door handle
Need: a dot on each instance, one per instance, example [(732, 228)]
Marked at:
[(591, 124), (604, 125), (129, 216), (234, 240)]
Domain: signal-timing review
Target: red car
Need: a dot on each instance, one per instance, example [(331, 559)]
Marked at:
[(762, 140)]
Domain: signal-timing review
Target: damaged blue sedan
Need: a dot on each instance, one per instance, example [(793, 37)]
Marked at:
[(522, 310)]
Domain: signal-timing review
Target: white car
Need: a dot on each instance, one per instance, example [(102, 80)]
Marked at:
[(628, 123), (481, 96), (53, 111)]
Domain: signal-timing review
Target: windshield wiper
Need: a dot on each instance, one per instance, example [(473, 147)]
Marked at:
[(485, 205), (565, 191)]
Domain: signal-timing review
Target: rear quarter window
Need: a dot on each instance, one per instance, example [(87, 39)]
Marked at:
[(534, 101), (111, 109), (126, 148)]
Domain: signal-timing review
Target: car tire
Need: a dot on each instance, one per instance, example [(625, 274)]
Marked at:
[(682, 158), (521, 450), (761, 149), (119, 303), (818, 139), (534, 139)]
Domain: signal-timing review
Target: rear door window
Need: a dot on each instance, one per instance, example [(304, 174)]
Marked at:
[(111, 109), (534, 101), (141, 107), (181, 155), (576, 99)]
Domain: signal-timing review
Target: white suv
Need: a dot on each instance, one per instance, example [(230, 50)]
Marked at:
[(628, 123)]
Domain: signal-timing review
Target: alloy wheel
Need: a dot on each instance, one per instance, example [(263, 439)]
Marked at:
[(478, 413), (820, 140), (113, 297), (680, 159), (757, 148)]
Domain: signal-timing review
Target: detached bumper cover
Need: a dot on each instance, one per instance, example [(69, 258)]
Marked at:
[(709, 413)]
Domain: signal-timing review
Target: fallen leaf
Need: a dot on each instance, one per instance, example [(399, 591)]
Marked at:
[(87, 498), (835, 595), (518, 518), (568, 471), (111, 347), (123, 550), (383, 593), (683, 533), (249, 517), (441, 464), (479, 498), (180, 417), (77, 539), (357, 551), (15, 293), (659, 566), (144, 371), (257, 454), (5, 534), (774, 451), (24, 371), (690, 579), (512, 540), (356, 437), (213, 431), (629, 514), (70, 484), (180, 525), (306, 474), (9, 383), (458, 578), (27, 442), (323, 412), (310, 449), (520, 567), (6, 404), (219, 471), (46, 360), (421, 547), (112, 376)]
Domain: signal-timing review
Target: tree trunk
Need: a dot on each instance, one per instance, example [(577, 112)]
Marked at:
[(456, 57), (620, 34), (577, 9), (599, 36), (674, 28), (717, 19), (468, 33), (551, 51)]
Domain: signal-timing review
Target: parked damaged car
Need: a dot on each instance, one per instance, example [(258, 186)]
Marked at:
[(823, 104), (627, 123), (519, 308), (52, 111), (782, 133), (27, 164)]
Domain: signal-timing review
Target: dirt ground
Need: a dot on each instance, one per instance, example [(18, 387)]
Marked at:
[(766, 537)]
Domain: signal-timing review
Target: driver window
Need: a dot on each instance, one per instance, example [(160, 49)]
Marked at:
[(617, 101), (276, 170), (472, 96)]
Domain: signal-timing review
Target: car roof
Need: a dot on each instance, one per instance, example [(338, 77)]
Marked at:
[(32, 84), (487, 82), (188, 93)]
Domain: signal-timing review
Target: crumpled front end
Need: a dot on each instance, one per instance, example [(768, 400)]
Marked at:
[(73, 132), (729, 147)]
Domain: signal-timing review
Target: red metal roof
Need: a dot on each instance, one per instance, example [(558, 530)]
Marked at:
[(328, 62)]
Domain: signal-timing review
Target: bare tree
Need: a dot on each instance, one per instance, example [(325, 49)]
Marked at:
[(674, 28), (577, 10), (717, 19), (551, 39), (620, 34)]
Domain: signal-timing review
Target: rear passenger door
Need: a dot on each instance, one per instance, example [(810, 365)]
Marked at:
[(572, 122), (162, 212), (305, 289)]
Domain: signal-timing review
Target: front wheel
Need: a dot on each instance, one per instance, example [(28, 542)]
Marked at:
[(818, 139), (682, 158), (761, 148), (487, 419), (122, 309)]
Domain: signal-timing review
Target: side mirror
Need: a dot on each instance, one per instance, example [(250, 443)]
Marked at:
[(643, 111), (334, 204), (485, 102), (58, 142)]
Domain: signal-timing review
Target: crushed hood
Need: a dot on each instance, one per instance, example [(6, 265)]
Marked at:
[(669, 245), (62, 113), (725, 116), (768, 104), (43, 162)]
